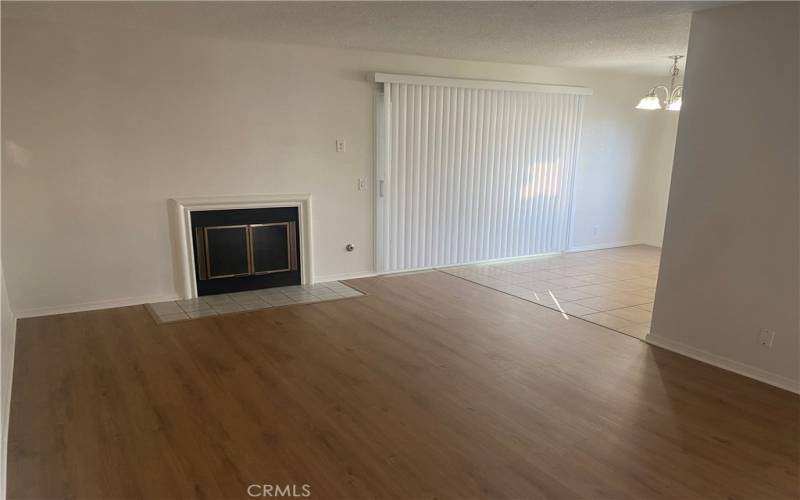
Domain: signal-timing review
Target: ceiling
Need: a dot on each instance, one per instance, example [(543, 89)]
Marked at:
[(633, 37)]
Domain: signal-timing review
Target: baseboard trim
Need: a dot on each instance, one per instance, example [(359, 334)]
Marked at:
[(471, 263), (344, 276), (93, 306), (603, 246), (724, 363), (503, 259)]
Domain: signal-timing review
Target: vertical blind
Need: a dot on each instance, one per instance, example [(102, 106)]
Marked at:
[(472, 174)]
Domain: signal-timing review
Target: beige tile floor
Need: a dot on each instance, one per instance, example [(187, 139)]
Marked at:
[(614, 288), (213, 305)]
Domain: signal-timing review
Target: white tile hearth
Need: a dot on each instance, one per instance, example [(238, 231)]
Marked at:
[(612, 288), (199, 314), (193, 305), (166, 308), (213, 305)]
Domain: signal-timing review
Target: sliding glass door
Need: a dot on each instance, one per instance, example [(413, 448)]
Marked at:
[(472, 174)]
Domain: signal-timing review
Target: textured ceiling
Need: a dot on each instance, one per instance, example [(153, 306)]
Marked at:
[(627, 36)]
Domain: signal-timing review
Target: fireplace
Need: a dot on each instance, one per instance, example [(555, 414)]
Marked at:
[(245, 249), (182, 225)]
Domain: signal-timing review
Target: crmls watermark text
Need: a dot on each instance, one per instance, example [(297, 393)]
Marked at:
[(279, 490)]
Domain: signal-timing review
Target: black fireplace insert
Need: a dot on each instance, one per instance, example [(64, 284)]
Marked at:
[(245, 249)]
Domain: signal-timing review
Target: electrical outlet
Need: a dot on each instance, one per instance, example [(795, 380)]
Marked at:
[(595, 230), (362, 184), (340, 146), (765, 338)]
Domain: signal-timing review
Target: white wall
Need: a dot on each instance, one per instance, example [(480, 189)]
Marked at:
[(100, 129), (655, 192), (8, 335), (625, 155), (729, 265)]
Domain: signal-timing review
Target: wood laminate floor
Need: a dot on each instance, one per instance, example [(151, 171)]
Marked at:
[(428, 387)]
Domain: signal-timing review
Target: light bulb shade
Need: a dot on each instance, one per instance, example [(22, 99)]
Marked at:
[(649, 101), (675, 105)]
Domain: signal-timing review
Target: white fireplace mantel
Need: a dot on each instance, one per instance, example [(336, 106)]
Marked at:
[(181, 212)]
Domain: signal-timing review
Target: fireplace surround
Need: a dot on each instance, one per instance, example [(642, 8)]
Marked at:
[(241, 236)]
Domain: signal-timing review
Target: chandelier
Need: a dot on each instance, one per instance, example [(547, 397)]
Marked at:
[(673, 95)]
